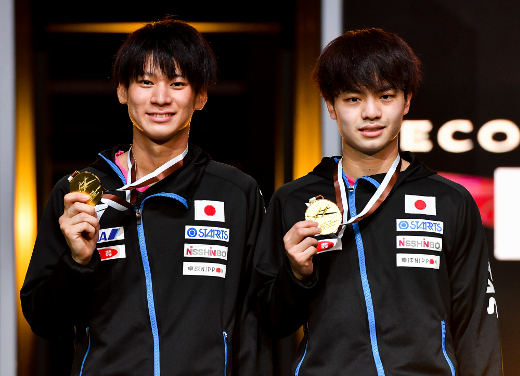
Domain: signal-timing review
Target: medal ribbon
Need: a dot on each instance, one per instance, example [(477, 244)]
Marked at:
[(155, 176), (148, 180), (375, 201)]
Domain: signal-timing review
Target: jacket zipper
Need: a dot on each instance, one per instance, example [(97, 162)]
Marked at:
[(364, 277), (304, 353), (86, 353), (224, 334), (148, 275), (137, 205), (443, 327), (138, 215), (149, 294)]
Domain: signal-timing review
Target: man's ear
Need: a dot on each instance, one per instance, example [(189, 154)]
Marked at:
[(407, 103), (331, 110), (200, 100), (122, 94)]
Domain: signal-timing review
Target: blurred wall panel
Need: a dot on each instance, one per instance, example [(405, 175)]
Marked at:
[(25, 215), (307, 110), (7, 151), (331, 27)]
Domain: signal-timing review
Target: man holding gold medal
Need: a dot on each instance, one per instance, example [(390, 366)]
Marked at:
[(382, 261), (145, 257)]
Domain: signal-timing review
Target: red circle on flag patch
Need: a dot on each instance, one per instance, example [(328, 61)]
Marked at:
[(420, 204), (209, 210), (431, 261), (218, 270)]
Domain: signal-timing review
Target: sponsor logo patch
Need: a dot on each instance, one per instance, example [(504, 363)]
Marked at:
[(109, 234), (419, 225), (114, 252), (206, 210), (204, 268), (206, 250), (419, 205), (328, 245), (418, 261), (203, 232), (419, 242)]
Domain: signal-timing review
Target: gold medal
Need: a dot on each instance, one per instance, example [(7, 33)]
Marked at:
[(326, 213), (87, 182)]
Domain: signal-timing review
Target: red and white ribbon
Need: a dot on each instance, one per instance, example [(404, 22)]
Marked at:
[(375, 201)]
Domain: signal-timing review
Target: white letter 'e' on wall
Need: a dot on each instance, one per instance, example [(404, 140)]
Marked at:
[(415, 136)]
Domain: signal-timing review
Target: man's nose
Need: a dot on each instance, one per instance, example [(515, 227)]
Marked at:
[(372, 109), (161, 95)]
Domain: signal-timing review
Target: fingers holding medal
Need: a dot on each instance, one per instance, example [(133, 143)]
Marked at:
[(322, 217), (79, 223), (300, 245)]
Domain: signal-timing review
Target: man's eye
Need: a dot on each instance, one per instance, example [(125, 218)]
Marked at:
[(146, 82), (178, 84), (387, 96), (353, 100)]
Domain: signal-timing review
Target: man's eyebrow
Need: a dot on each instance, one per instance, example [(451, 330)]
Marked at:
[(385, 88), (149, 73), (153, 74), (351, 91)]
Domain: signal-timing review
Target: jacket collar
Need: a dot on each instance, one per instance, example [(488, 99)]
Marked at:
[(182, 182), (416, 170)]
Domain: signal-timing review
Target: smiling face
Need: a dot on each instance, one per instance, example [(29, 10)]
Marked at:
[(159, 107), (369, 121)]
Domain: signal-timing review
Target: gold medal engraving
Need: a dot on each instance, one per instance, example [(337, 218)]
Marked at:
[(326, 213), (87, 182)]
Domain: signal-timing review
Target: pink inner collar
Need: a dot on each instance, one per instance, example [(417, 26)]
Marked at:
[(350, 180), (125, 171)]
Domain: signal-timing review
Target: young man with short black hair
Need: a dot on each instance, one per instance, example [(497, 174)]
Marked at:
[(153, 279), (389, 273)]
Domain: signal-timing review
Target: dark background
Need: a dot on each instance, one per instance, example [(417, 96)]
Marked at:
[(469, 50)]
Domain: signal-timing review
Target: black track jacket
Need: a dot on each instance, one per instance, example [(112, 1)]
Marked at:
[(166, 296), (409, 293)]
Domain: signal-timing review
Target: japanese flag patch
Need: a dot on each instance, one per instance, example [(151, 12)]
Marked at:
[(206, 210), (419, 205)]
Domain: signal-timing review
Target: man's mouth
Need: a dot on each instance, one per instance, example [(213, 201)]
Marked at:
[(371, 130), (371, 127), (162, 115)]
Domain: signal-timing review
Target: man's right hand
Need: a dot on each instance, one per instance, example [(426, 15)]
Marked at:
[(300, 246), (80, 226)]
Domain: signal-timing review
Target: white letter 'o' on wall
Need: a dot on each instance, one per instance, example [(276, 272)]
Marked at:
[(488, 130)]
